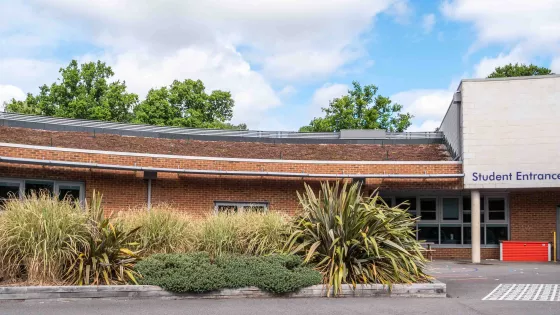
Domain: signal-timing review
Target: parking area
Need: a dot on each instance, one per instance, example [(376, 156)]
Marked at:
[(468, 281)]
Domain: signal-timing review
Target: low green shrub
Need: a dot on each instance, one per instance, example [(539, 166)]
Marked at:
[(197, 273), (181, 272), (164, 230), (40, 236)]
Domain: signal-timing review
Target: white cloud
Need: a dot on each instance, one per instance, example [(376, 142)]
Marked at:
[(287, 91), (555, 65), (401, 11), (323, 95), (151, 43), (426, 125), (297, 33), (487, 65), (503, 21), (303, 65), (27, 74), (221, 69), (9, 92), (427, 106), (428, 22), (530, 28)]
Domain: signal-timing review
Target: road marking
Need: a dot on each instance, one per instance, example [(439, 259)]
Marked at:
[(491, 293), (524, 292), (554, 292)]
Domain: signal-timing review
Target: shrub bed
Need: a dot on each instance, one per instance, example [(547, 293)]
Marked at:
[(197, 273)]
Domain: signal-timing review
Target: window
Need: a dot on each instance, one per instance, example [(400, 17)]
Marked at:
[(446, 220), (468, 237), (70, 191), (450, 208), (467, 209), (8, 189), (428, 209), (496, 233), (234, 207), (19, 187), (450, 234), (38, 187), (428, 233), (407, 203), (496, 209)]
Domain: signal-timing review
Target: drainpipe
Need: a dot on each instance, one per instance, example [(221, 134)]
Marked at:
[(149, 194), (475, 226), (148, 176)]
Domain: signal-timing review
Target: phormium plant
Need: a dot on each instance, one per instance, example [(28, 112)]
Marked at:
[(356, 240)]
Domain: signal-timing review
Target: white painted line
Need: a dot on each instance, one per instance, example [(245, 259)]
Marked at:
[(553, 295), (527, 286), (518, 289), (538, 292), (507, 292), (490, 294)]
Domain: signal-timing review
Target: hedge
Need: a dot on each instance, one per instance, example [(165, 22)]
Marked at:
[(196, 273)]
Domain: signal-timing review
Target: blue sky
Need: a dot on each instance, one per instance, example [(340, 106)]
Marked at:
[(282, 59)]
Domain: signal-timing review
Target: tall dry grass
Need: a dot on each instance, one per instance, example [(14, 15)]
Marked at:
[(162, 229), (39, 237), (249, 233)]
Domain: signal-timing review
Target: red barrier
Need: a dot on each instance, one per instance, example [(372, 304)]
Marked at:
[(524, 251)]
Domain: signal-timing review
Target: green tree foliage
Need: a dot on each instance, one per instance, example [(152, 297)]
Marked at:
[(83, 91), (186, 104), (362, 108), (86, 91), (519, 70)]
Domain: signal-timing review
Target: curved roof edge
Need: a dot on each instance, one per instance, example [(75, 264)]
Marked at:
[(150, 131)]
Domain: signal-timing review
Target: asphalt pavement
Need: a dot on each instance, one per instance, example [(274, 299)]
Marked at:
[(467, 286)]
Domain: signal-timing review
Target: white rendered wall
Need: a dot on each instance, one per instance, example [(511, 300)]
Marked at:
[(511, 126), (450, 128)]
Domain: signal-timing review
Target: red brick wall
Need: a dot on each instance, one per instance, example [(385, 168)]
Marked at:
[(195, 194), (205, 164), (533, 214), (465, 253)]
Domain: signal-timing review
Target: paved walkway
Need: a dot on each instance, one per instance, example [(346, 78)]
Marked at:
[(467, 286)]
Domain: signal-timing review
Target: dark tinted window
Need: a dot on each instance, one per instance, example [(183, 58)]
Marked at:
[(71, 193), (428, 233), (38, 187)]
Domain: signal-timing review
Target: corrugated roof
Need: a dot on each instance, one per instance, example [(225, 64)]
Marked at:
[(92, 126)]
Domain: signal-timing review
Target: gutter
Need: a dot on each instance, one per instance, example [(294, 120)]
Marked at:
[(212, 172)]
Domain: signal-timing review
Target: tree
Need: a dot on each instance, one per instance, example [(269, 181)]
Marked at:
[(519, 70), (83, 92), (186, 104), (361, 109)]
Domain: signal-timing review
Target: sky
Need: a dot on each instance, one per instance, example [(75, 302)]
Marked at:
[(283, 60)]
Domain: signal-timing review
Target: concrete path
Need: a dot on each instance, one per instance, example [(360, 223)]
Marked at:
[(467, 286)]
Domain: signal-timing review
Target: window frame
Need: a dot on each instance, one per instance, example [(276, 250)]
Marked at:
[(459, 209), (436, 210), (240, 205), (461, 196), (56, 185), (19, 182), (487, 210), (82, 194)]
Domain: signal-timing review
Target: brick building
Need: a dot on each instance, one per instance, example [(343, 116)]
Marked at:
[(473, 164)]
